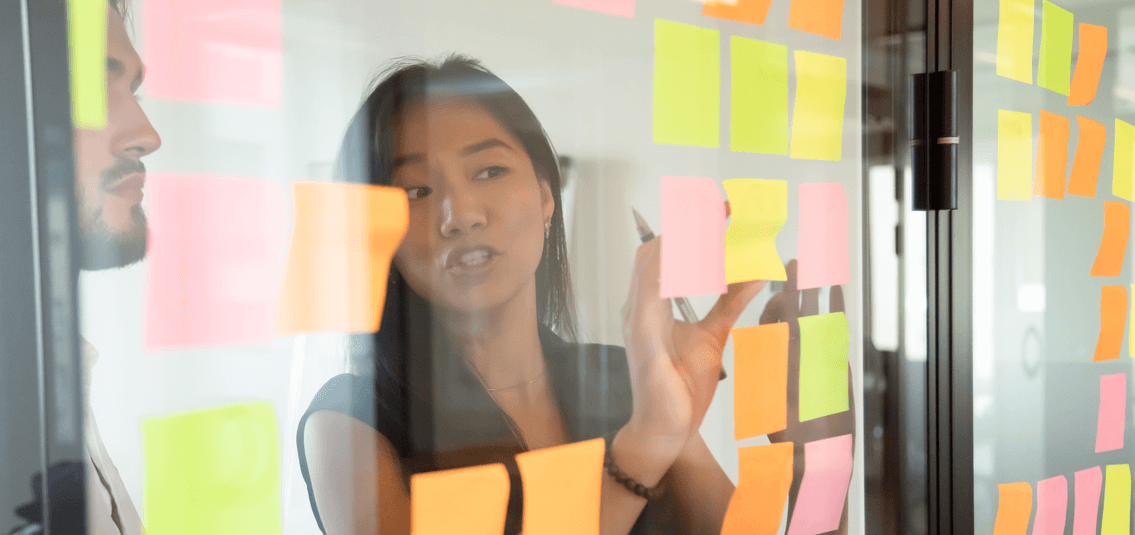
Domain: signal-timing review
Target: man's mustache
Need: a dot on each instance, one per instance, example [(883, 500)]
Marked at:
[(122, 168)]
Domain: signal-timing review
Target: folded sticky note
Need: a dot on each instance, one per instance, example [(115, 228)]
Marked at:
[(1014, 504), (465, 500), (1116, 518), (1113, 244), (687, 84), (1113, 319), (624, 8), (823, 237), (824, 343), (693, 237), (1055, 49), (561, 488), (343, 240), (1051, 506), (750, 11), (214, 471), (1089, 154), (760, 380), (216, 260), (86, 41), (1051, 156), (759, 209), (1123, 170), (827, 473), (817, 114), (765, 477), (821, 17), (1014, 155), (1089, 64), (1113, 405), (1088, 483), (759, 96), (1015, 40)]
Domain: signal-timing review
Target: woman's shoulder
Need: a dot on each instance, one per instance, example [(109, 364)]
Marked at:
[(348, 394)]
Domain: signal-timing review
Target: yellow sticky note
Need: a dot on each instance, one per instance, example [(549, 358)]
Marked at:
[(215, 471), (1014, 155), (758, 210), (1015, 40), (817, 116), (1055, 49), (1123, 170), (472, 500), (1116, 518), (759, 97), (561, 488), (86, 39), (687, 84)]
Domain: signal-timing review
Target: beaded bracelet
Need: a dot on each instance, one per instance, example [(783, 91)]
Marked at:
[(640, 490)]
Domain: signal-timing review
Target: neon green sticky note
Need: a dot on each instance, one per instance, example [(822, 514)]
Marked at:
[(687, 84), (824, 343), (817, 116), (1123, 168), (1116, 518), (1015, 40), (1055, 49), (758, 210), (1014, 155), (86, 37), (215, 471), (759, 97)]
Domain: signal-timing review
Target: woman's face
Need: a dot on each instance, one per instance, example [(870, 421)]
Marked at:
[(477, 208)]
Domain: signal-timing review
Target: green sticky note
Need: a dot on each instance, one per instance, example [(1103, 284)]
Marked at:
[(1015, 40), (1116, 518), (214, 471), (817, 116), (1014, 155), (1123, 168), (687, 85), (759, 96), (86, 38), (1055, 49), (824, 343)]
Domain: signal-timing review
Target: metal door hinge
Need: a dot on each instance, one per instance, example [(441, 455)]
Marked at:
[(934, 140)]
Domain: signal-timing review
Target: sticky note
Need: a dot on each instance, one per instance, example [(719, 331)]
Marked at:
[(759, 97), (1089, 154), (1113, 404), (213, 471), (758, 210), (693, 237), (1014, 155), (1113, 244), (750, 11), (823, 237), (216, 260), (1123, 170), (561, 488), (1051, 506), (86, 40), (1088, 484), (827, 473), (1015, 40), (343, 240), (1055, 72), (623, 8), (215, 51), (760, 379), (764, 479), (1051, 156), (687, 85), (465, 500), (824, 343), (1131, 332), (1089, 64), (1116, 501), (1014, 505), (1113, 319), (817, 114), (821, 17)]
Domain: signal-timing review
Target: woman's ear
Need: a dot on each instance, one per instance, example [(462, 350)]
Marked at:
[(547, 200)]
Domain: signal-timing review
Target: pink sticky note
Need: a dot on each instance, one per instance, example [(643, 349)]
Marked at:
[(624, 8), (822, 246), (1051, 506), (1088, 483), (216, 260), (220, 51), (693, 237), (1113, 404), (827, 474)]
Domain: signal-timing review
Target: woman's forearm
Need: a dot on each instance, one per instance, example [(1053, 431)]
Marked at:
[(635, 455), (700, 487)]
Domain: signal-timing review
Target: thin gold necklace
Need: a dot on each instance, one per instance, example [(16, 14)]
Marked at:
[(491, 390)]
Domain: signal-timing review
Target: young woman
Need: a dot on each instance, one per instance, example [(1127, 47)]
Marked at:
[(468, 368)]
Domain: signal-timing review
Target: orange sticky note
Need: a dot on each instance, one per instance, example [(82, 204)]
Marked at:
[(1051, 156), (1089, 64), (821, 17), (343, 239), (1089, 154), (760, 380), (750, 11), (1014, 505), (1113, 319), (561, 488), (758, 502), (466, 500), (1113, 245)]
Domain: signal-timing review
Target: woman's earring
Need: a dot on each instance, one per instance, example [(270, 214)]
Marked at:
[(547, 228)]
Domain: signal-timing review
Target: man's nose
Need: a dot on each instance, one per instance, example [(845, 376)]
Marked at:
[(134, 136)]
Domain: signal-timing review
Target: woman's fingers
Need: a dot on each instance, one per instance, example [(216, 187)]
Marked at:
[(730, 306)]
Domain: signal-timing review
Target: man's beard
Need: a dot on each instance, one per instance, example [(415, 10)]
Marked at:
[(102, 247)]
